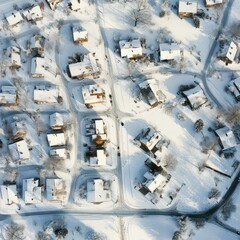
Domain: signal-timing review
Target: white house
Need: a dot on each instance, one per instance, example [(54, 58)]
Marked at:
[(9, 194), (210, 3), (56, 190), (38, 67), (37, 44), (96, 192), (231, 52), (98, 159), (93, 94), (14, 57), (87, 67), (227, 138), (154, 181), (53, 3), (169, 51), (187, 7), (151, 91), (131, 49), (195, 97), (74, 5), (46, 94), (234, 88), (56, 121), (60, 153), (19, 151), (97, 126), (18, 129), (56, 139), (32, 192), (79, 35), (8, 96), (33, 13), (13, 18)]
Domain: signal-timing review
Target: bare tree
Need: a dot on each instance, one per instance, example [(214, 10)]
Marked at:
[(10, 175), (227, 209), (170, 162), (140, 13), (232, 116), (96, 236), (14, 231), (214, 193), (54, 163)]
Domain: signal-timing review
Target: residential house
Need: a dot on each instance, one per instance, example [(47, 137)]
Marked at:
[(33, 13), (37, 43), (79, 35), (131, 49), (97, 130), (9, 194), (97, 157), (187, 7), (151, 91), (56, 139), (227, 139), (18, 129), (40, 67), (13, 18), (74, 5), (211, 3), (43, 94), (195, 97), (56, 121), (96, 192), (32, 191), (93, 94), (53, 4), (86, 67), (234, 88), (230, 53), (169, 51), (8, 96), (59, 153), (56, 190), (13, 57), (19, 151)]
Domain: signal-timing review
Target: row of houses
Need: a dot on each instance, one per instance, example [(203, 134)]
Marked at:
[(32, 191)]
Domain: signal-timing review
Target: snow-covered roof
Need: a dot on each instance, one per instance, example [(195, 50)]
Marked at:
[(131, 49), (53, 3), (19, 150), (213, 2), (8, 95), (150, 138), (92, 94), (33, 13), (38, 66), (18, 127), (100, 159), (88, 66), (79, 34), (232, 51), (234, 87), (9, 194), (13, 17), (154, 181), (196, 97), (56, 189), (32, 193), (226, 137), (56, 120), (169, 51), (188, 6), (47, 95), (59, 152), (56, 139), (37, 42), (96, 192), (75, 4), (14, 56), (99, 126), (152, 92)]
